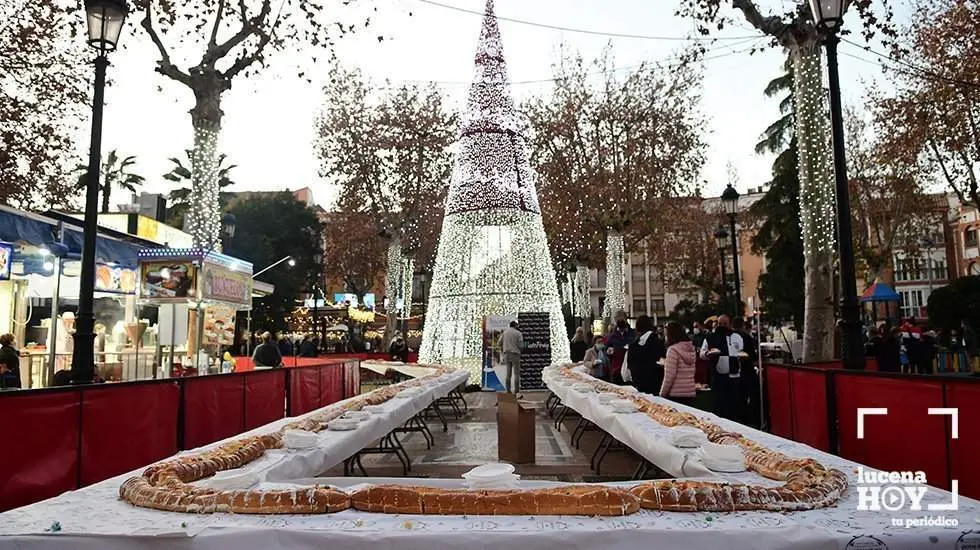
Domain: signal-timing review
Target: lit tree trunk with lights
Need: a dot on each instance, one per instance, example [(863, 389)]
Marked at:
[(796, 33), (817, 212), (615, 280)]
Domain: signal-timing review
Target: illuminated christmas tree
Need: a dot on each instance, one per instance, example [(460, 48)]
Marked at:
[(493, 256)]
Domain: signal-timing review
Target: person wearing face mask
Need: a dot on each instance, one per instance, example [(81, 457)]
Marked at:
[(596, 360), (616, 345), (723, 349), (644, 355)]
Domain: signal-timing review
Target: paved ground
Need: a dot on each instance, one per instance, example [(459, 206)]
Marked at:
[(472, 440)]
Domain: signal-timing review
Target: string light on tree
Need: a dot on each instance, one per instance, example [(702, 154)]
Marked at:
[(615, 285), (493, 256), (204, 217), (817, 196)]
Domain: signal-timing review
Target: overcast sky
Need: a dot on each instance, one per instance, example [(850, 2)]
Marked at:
[(268, 125)]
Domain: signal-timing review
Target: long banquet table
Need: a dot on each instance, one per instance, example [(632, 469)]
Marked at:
[(95, 518)]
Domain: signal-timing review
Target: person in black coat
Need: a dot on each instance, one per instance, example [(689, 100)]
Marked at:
[(9, 361), (889, 350), (644, 355), (748, 380), (578, 346)]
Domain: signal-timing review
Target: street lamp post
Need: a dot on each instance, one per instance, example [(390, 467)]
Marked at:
[(105, 20), (730, 200), (721, 238), (828, 16), (318, 264), (248, 318)]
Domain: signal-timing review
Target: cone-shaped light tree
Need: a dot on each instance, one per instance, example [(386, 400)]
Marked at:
[(493, 256)]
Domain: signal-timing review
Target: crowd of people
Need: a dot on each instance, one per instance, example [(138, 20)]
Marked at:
[(671, 361), (909, 348)]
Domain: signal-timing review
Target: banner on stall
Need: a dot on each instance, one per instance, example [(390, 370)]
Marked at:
[(115, 279), (167, 281), (6, 260), (225, 285), (536, 331), (494, 369)]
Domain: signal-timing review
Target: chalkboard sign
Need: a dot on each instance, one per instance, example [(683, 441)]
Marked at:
[(536, 331)]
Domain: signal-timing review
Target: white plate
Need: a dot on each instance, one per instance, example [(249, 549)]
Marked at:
[(582, 388), (342, 425), (373, 408), (489, 471), (608, 397), (722, 453), (360, 416)]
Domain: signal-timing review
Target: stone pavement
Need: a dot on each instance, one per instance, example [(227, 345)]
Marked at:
[(472, 440)]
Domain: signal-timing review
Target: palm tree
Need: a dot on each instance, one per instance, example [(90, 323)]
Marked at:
[(115, 171), (179, 199)]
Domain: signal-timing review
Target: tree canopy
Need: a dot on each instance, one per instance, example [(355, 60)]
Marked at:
[(606, 153), (388, 150), (44, 92), (270, 227)]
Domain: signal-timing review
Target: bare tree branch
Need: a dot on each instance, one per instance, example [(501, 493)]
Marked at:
[(164, 66)]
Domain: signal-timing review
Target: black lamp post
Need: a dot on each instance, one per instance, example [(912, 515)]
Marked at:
[(721, 238), (730, 201), (318, 264), (828, 15), (105, 20)]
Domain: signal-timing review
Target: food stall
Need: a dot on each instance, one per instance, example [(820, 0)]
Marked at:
[(197, 293)]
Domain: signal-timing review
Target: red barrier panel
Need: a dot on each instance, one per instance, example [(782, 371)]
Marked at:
[(143, 415), (907, 438), (808, 395), (780, 404), (964, 451), (265, 397), (331, 384), (304, 390), (214, 408), (40, 454), (825, 365)]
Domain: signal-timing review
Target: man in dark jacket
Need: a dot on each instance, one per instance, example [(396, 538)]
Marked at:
[(722, 349), (267, 354), (749, 377)]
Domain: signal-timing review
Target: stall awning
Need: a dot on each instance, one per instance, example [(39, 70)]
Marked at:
[(880, 292), (19, 228), (36, 230)]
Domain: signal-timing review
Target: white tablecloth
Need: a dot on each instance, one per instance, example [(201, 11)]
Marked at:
[(94, 518)]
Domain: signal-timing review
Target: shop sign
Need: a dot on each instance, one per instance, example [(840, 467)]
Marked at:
[(6, 260), (115, 279), (167, 281), (225, 285)]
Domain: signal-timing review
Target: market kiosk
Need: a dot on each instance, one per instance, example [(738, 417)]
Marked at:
[(198, 293)]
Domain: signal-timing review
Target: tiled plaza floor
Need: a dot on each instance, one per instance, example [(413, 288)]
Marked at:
[(472, 440)]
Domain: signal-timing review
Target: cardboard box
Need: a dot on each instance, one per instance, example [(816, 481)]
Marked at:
[(515, 429)]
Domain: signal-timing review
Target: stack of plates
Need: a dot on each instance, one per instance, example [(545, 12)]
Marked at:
[(687, 437), (722, 458), (373, 409), (299, 439), (492, 476), (582, 387), (623, 406), (342, 425), (360, 416), (607, 397), (232, 480)]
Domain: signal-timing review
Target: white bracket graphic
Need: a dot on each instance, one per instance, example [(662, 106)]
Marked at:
[(951, 412), (877, 411)]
